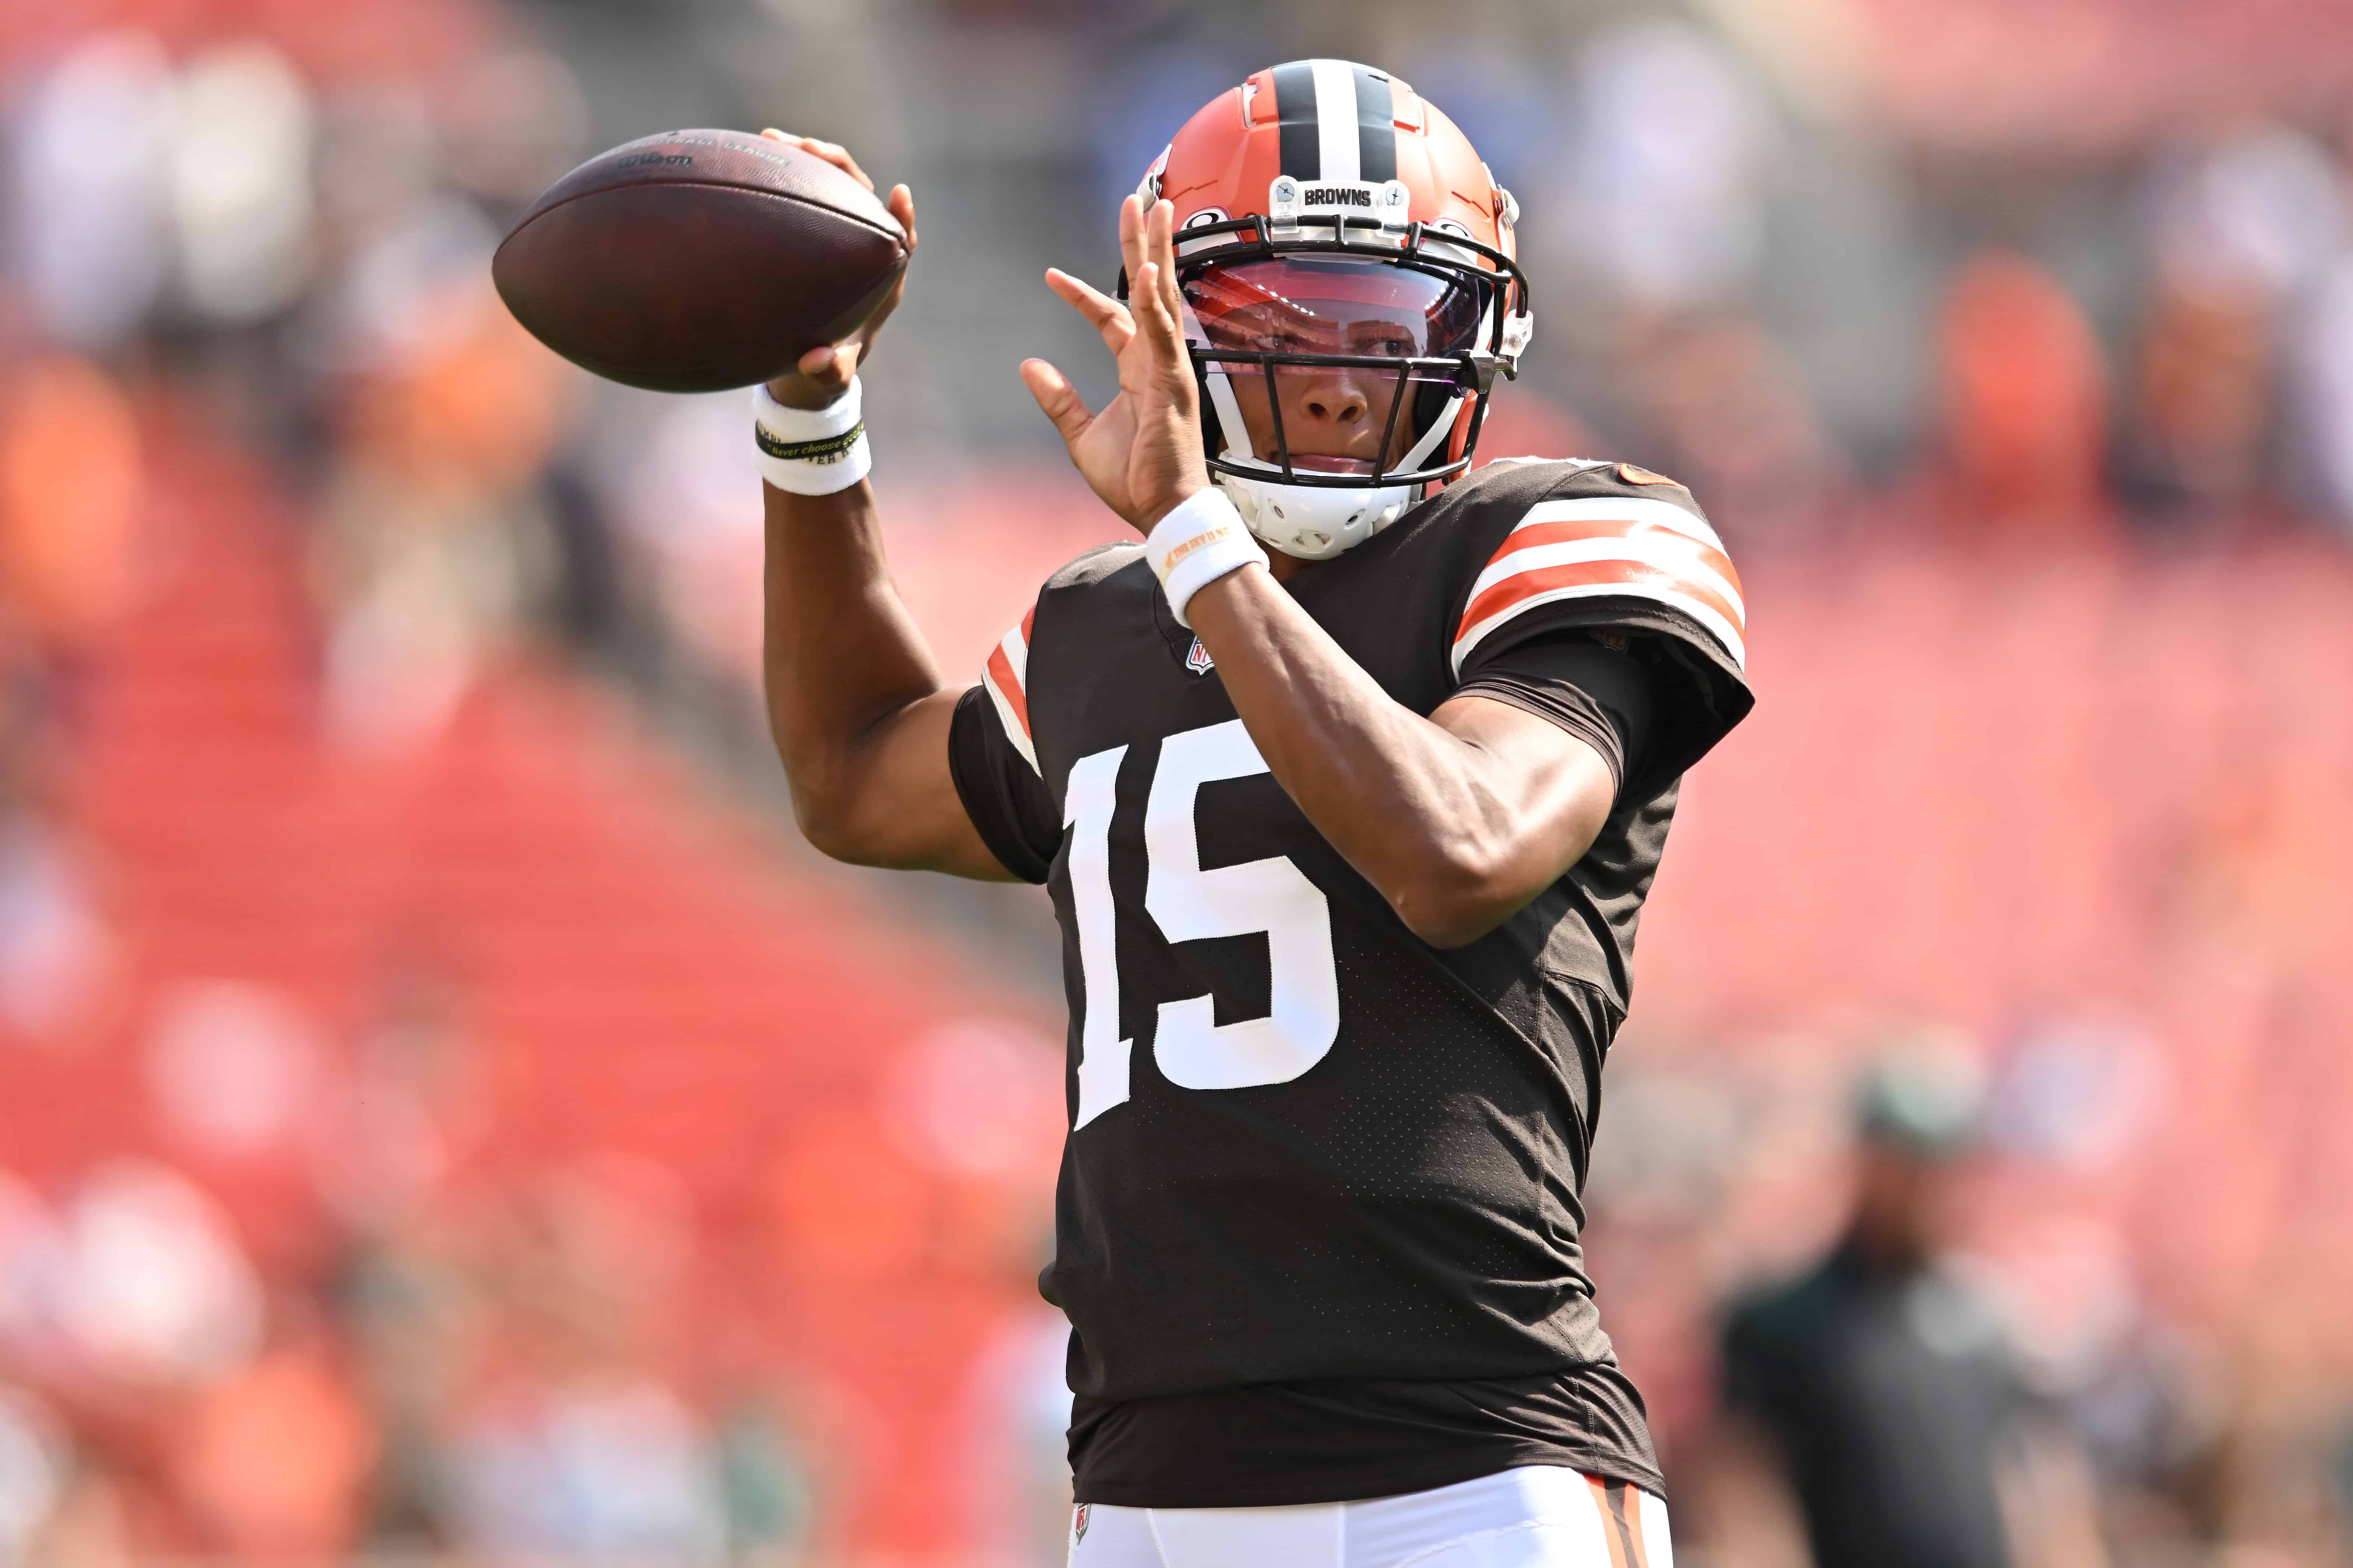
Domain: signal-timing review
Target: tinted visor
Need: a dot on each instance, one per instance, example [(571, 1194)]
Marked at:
[(1315, 397), (1311, 305)]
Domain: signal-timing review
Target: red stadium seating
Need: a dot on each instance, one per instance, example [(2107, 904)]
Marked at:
[(642, 975)]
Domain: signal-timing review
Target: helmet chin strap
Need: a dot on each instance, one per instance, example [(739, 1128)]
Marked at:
[(1314, 522)]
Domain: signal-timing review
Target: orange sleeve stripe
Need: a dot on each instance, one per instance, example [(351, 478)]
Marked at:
[(1028, 616), (1563, 531), (1523, 586), (1000, 675)]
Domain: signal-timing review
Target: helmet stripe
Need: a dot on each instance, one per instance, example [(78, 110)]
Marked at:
[(1335, 119), (1294, 108), (1375, 127)]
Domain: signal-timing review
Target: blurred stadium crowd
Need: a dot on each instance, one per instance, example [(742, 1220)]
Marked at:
[(439, 1114)]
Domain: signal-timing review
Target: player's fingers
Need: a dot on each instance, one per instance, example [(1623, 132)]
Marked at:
[(1090, 301), (1152, 292), (829, 366), (1165, 252), (902, 202), (1131, 234), (1057, 397), (1107, 315), (1157, 257), (1144, 303), (833, 153), (1155, 321)]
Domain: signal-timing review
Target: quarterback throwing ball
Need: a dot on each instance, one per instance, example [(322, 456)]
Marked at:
[(1347, 778)]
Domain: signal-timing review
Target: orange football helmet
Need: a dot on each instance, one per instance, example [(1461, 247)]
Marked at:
[(1337, 237)]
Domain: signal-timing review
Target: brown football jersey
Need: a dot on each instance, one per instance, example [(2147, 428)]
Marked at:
[(1306, 1147)]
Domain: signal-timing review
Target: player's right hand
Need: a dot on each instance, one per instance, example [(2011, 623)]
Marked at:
[(823, 373), (1141, 452)]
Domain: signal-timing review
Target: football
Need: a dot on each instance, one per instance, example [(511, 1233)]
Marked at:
[(698, 260)]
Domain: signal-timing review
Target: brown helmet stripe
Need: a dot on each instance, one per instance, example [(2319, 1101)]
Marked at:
[(1336, 121), (1375, 127), (1294, 108)]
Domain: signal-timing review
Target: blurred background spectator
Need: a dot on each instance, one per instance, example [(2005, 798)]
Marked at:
[(1876, 1401), (449, 1117)]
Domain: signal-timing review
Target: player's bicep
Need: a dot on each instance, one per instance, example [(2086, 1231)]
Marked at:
[(907, 813), (994, 769), (1555, 785)]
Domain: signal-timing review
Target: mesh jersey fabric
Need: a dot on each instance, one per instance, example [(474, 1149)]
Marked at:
[(1405, 1209)]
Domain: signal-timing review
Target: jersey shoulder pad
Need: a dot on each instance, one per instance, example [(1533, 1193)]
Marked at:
[(1006, 676), (1006, 679), (1091, 567), (1588, 542)]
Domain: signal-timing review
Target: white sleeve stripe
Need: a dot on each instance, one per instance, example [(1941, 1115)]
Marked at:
[(1337, 158), (1011, 723), (1650, 552), (1724, 631), (1632, 508), (1016, 654)]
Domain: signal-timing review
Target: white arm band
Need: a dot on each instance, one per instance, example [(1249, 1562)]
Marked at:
[(1198, 542), (812, 451)]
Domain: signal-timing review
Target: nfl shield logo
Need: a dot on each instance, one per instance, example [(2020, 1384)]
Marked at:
[(1198, 660), (1079, 1522)]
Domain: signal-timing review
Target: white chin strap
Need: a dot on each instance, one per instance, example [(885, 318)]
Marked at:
[(1311, 523)]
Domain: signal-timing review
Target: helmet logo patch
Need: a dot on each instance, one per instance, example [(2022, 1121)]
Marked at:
[(1198, 660)]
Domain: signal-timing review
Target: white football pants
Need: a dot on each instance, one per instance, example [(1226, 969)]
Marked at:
[(1536, 1517)]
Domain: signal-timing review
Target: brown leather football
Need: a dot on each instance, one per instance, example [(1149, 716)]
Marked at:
[(698, 260)]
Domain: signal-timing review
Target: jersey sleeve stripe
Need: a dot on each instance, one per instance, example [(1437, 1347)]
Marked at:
[(1632, 511), (1676, 558), (1596, 546), (1015, 730), (1007, 678), (1709, 617), (1565, 531), (1512, 595), (1014, 647)]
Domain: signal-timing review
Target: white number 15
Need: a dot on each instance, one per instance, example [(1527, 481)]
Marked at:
[(1190, 904)]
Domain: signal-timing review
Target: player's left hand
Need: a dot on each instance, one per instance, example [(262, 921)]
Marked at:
[(823, 374), (1142, 453)]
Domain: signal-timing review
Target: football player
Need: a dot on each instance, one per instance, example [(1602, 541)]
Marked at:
[(1347, 779)]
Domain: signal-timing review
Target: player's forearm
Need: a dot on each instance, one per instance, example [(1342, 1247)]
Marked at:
[(1414, 808), (843, 659)]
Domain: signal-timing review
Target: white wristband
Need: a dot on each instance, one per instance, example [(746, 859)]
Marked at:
[(1198, 542), (812, 451)]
